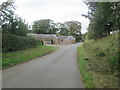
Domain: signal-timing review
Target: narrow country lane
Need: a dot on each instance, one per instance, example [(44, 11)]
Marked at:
[(56, 70)]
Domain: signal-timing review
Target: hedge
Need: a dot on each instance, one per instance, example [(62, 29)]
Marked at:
[(13, 42)]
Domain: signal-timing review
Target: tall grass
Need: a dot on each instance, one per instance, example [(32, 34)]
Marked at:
[(103, 63)]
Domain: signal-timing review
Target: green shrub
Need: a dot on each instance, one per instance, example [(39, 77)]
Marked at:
[(113, 62), (13, 43)]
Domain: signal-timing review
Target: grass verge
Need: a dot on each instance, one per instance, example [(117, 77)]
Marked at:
[(103, 61), (17, 57), (83, 66)]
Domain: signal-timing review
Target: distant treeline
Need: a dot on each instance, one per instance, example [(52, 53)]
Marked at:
[(47, 26)]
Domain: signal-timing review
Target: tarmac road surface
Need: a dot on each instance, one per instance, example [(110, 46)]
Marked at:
[(58, 69)]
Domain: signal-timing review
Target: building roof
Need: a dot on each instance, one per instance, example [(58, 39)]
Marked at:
[(62, 37), (70, 38), (50, 36), (66, 37), (43, 36)]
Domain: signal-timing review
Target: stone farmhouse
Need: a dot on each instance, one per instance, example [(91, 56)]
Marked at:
[(53, 39), (66, 40)]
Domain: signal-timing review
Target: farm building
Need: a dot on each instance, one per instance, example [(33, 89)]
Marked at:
[(69, 40), (61, 39), (66, 40), (46, 38), (53, 39)]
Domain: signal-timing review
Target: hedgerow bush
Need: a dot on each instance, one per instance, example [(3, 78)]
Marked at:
[(13, 42)]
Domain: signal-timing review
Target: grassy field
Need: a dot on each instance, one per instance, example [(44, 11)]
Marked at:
[(102, 61), (17, 57), (83, 66)]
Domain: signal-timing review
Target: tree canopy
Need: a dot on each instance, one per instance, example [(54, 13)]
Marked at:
[(74, 29), (47, 26), (104, 18), (44, 26), (11, 23)]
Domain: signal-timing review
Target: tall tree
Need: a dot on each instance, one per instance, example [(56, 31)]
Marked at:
[(104, 18), (44, 26), (72, 28), (11, 23), (62, 29), (6, 15), (21, 28)]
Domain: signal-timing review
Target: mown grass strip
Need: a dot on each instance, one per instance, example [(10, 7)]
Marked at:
[(17, 57), (83, 66)]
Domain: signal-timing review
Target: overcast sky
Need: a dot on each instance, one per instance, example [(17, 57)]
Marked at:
[(57, 10)]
